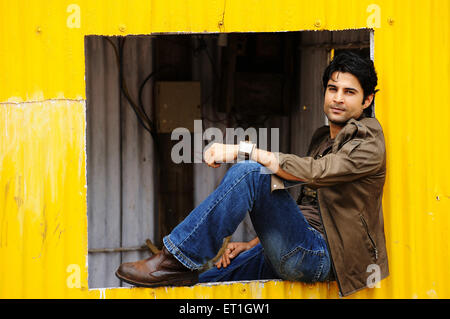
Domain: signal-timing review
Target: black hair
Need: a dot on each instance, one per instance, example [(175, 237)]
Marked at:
[(362, 68)]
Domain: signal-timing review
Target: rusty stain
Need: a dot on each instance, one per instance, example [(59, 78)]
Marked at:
[(56, 228), (4, 233), (222, 21), (19, 201), (43, 232)]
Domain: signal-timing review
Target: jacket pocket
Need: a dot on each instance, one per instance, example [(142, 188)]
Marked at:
[(372, 242)]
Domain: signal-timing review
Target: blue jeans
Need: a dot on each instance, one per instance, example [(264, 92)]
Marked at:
[(289, 247)]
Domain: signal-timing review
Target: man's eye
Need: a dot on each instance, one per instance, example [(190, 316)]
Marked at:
[(331, 89)]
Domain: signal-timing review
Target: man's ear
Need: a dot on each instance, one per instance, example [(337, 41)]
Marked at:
[(368, 101)]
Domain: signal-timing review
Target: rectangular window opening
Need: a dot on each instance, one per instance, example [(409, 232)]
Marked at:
[(140, 89)]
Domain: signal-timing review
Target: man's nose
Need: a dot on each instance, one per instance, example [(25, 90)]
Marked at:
[(338, 97)]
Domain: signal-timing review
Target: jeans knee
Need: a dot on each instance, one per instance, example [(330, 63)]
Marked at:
[(246, 166), (249, 171)]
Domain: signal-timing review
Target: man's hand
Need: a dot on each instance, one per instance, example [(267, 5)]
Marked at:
[(220, 153), (234, 249)]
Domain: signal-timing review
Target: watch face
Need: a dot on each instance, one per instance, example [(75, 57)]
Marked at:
[(245, 147)]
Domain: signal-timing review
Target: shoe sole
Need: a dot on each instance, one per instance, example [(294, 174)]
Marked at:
[(172, 282)]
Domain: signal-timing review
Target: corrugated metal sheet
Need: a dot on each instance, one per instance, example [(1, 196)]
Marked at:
[(121, 204), (43, 239), (43, 202)]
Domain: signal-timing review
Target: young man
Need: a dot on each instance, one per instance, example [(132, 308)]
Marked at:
[(335, 231)]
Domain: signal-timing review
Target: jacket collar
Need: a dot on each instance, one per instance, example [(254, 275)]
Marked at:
[(359, 128)]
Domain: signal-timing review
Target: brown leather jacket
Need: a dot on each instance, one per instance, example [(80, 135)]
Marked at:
[(349, 182)]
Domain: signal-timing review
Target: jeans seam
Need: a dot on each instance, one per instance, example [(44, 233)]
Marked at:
[(285, 257), (319, 270), (322, 261), (215, 203), (179, 255)]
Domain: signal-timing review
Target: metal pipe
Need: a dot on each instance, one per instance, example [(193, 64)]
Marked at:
[(117, 249)]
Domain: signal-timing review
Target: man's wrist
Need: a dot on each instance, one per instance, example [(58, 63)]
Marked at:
[(265, 158), (236, 151), (252, 243), (253, 156), (245, 150)]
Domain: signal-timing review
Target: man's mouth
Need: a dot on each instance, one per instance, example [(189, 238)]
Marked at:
[(337, 109)]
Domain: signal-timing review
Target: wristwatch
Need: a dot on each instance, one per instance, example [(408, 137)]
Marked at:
[(245, 150)]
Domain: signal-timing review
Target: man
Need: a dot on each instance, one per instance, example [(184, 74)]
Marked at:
[(334, 232)]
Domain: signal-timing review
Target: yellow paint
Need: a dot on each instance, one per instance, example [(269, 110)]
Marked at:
[(42, 178), (43, 222)]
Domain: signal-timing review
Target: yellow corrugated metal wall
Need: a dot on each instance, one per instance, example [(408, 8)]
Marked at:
[(43, 222)]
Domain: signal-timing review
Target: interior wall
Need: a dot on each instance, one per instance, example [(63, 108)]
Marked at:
[(120, 166)]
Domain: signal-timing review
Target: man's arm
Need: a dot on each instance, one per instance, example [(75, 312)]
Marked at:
[(269, 160), (354, 160), (222, 153)]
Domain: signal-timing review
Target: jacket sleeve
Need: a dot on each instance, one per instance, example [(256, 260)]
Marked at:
[(355, 159)]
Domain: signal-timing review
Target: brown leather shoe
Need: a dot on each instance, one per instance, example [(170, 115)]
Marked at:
[(162, 269)]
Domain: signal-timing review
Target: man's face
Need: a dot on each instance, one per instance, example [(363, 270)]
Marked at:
[(344, 98)]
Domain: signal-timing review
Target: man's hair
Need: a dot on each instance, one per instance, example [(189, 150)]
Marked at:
[(363, 69)]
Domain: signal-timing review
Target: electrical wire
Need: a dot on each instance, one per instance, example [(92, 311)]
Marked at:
[(139, 110), (237, 116)]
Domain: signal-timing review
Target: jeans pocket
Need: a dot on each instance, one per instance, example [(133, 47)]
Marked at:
[(303, 265)]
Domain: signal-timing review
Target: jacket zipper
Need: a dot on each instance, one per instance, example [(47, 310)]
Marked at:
[(329, 250), (370, 237)]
